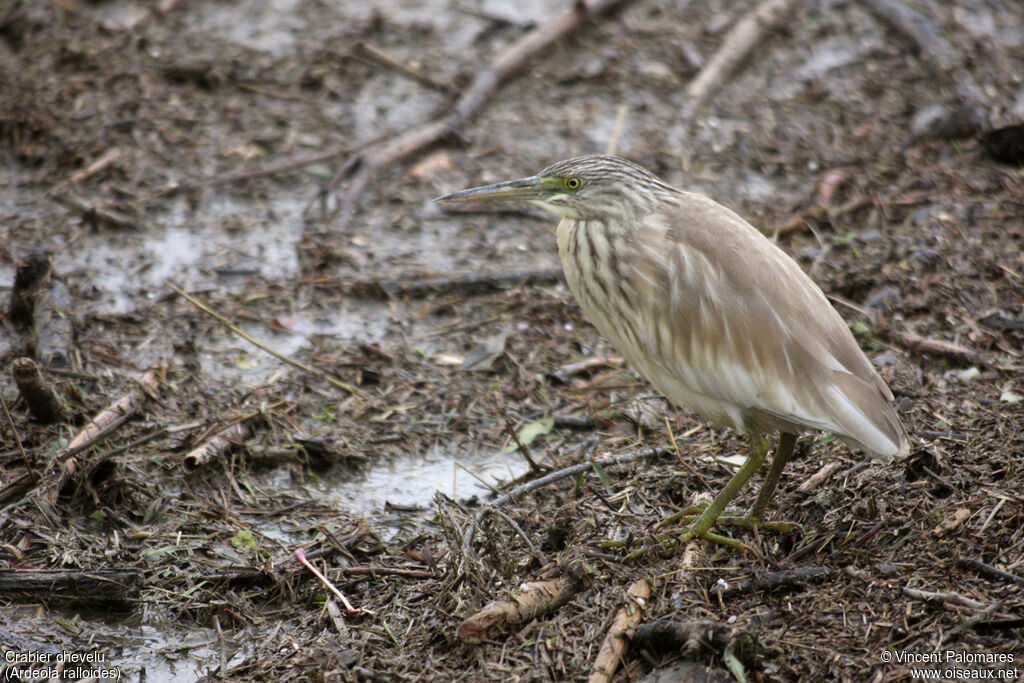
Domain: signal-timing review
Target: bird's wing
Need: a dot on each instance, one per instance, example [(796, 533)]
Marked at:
[(748, 328)]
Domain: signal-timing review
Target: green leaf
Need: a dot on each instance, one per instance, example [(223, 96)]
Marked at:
[(529, 433), (243, 540), (602, 475)]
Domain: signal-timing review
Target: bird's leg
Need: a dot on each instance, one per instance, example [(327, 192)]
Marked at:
[(783, 452), (758, 449), (755, 518), (701, 527)]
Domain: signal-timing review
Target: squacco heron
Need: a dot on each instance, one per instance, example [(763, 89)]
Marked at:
[(711, 312)]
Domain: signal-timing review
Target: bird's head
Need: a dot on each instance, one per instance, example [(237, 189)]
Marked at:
[(588, 187)]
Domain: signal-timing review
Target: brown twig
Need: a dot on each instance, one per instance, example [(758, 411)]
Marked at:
[(534, 550), (523, 448), (111, 418), (112, 588), (459, 283), (922, 33), (990, 571), (218, 445), (614, 645), (737, 45), (32, 474), (786, 579), (951, 523), (40, 398), (472, 100), (937, 347), (820, 477), (107, 159), (571, 471), (270, 169), (94, 213), (373, 55), (950, 598), (255, 342), (30, 278), (531, 600), (375, 570)]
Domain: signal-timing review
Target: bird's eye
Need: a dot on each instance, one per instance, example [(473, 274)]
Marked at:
[(573, 183)]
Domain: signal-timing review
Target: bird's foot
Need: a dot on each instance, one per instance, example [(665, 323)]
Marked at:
[(674, 539), (736, 519)]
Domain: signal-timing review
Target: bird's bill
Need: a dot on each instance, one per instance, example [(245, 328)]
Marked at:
[(520, 190)]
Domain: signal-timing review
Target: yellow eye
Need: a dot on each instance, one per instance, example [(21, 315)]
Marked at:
[(573, 183)]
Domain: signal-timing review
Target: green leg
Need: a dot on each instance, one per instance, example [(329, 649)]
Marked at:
[(783, 452), (758, 449), (753, 519), (711, 514)]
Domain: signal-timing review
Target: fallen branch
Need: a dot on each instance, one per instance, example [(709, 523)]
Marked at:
[(30, 278), (788, 579), (696, 640), (531, 600), (94, 214), (951, 523), (614, 645), (111, 588), (372, 55), (472, 100), (255, 342), (218, 445), (937, 347), (820, 477), (990, 571), (111, 418), (571, 471), (31, 475), (461, 283), (736, 46), (40, 398), (921, 32), (270, 169), (523, 448), (943, 598)]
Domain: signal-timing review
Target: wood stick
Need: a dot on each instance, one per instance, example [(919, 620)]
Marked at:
[(114, 588), (614, 645), (472, 100), (30, 278), (459, 283), (530, 601), (523, 448), (573, 470), (951, 523), (943, 598), (217, 445), (270, 169), (737, 45), (255, 342), (40, 398), (788, 579), (93, 213), (923, 34), (366, 52), (820, 477), (937, 347), (111, 418), (31, 475), (990, 571)]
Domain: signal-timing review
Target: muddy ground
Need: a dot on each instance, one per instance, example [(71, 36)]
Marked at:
[(123, 130)]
